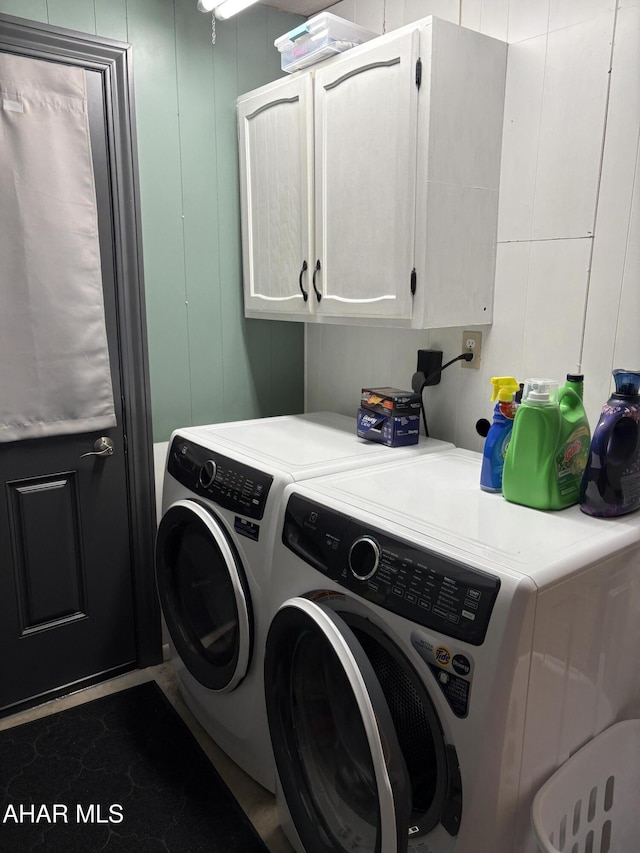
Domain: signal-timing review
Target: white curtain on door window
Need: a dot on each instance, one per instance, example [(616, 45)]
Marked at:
[(54, 362)]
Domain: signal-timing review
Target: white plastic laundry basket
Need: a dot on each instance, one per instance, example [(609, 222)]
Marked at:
[(592, 803)]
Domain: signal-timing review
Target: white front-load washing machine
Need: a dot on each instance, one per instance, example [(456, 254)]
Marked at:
[(222, 490), (435, 653)]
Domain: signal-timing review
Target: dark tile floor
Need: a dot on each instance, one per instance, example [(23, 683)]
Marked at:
[(258, 804)]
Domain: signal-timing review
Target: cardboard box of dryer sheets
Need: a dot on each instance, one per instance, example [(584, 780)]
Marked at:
[(390, 401), (385, 429), (389, 416)]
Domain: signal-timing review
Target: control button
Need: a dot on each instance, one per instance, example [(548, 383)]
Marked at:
[(438, 611), (411, 597), (426, 605), (474, 593), (468, 615), (443, 677), (453, 617), (472, 605), (397, 590)]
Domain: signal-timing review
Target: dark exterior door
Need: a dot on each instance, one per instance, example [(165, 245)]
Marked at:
[(77, 603)]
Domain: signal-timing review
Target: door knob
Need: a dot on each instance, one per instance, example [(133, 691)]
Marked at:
[(102, 447)]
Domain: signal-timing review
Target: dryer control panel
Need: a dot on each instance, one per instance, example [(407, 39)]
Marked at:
[(413, 582), (226, 482)]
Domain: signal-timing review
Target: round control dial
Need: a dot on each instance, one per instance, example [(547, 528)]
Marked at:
[(208, 473), (364, 558)]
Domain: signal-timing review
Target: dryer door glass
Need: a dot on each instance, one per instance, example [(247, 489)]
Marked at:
[(204, 595), (340, 766)]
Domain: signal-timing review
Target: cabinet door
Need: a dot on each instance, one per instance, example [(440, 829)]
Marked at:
[(276, 172), (365, 180)]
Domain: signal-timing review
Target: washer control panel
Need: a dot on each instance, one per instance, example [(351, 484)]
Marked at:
[(413, 582), (228, 483)]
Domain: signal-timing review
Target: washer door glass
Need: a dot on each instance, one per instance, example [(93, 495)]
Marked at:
[(432, 765), (204, 595), (339, 763)]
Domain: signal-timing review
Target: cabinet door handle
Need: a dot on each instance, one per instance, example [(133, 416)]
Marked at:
[(305, 295), (313, 280)]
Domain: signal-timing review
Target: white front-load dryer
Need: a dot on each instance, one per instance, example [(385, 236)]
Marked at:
[(435, 653), (222, 490)]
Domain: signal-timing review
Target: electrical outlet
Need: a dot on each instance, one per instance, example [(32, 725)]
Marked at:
[(472, 342)]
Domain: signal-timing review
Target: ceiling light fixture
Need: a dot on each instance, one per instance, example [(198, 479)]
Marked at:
[(208, 5), (224, 9)]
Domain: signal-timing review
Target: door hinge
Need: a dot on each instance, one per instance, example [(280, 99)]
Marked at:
[(413, 281), (418, 72)]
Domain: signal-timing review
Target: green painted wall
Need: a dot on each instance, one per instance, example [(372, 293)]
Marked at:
[(207, 363)]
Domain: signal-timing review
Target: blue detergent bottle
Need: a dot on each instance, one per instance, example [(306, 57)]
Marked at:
[(611, 481), (499, 435)]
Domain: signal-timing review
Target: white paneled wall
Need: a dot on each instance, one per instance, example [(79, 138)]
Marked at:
[(568, 264), (613, 311), (367, 13)]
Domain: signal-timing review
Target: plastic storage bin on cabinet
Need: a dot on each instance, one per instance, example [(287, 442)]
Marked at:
[(319, 38), (592, 803)]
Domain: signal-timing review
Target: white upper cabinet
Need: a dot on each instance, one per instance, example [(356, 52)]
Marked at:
[(276, 175), (366, 121), (370, 183)]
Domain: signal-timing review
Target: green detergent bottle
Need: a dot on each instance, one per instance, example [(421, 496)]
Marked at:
[(549, 445)]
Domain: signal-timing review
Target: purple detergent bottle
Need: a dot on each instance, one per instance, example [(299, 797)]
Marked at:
[(611, 482)]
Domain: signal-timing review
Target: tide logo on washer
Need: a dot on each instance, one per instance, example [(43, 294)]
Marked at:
[(442, 655)]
